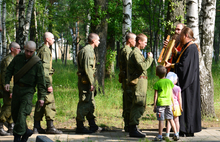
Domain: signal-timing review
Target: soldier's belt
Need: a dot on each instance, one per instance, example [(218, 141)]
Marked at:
[(144, 77), (22, 84)]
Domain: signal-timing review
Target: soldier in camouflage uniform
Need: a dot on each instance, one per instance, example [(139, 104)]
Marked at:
[(127, 93), (137, 78), (5, 115), (49, 109), (86, 70), (24, 89)]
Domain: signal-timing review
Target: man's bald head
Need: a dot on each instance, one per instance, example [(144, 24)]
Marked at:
[(48, 38), (47, 35), (14, 45), (30, 48), (30, 45)]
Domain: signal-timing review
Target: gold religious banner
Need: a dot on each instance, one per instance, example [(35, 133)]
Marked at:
[(166, 51)]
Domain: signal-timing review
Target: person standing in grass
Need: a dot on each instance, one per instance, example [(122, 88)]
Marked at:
[(163, 98), (5, 115), (137, 80), (86, 70), (49, 108), (127, 92), (177, 102), (28, 72)]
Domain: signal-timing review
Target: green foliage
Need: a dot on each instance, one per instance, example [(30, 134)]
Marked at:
[(110, 58)]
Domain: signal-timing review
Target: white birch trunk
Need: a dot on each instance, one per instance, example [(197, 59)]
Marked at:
[(208, 11), (4, 43), (192, 17), (87, 28), (127, 17), (28, 19)]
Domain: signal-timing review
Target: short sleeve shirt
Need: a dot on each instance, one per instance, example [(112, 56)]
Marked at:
[(164, 88)]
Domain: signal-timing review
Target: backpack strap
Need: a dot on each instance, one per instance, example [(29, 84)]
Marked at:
[(26, 68)]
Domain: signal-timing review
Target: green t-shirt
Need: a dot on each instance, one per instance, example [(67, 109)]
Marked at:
[(164, 88)]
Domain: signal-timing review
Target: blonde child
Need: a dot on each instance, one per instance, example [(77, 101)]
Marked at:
[(177, 102)]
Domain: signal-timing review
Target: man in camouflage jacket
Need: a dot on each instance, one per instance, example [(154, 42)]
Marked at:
[(127, 93), (5, 115), (49, 109)]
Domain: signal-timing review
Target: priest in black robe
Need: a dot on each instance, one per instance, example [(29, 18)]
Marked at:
[(187, 69)]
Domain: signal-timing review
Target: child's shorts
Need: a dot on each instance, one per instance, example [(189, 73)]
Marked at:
[(177, 111), (164, 112)]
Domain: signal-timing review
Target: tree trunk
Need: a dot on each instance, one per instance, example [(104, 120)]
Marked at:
[(207, 35), (19, 34), (28, 19), (87, 28), (101, 30), (1, 30), (4, 42), (192, 17), (126, 26), (33, 28), (175, 14), (66, 52)]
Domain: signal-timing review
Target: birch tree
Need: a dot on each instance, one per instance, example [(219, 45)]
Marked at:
[(28, 19), (207, 15), (127, 17), (4, 38)]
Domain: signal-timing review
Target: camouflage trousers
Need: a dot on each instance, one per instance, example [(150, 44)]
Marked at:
[(5, 115), (21, 107), (48, 109), (86, 104), (127, 101), (138, 102)]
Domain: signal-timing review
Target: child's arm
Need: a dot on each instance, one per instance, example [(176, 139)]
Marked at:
[(155, 100), (180, 101), (172, 99)]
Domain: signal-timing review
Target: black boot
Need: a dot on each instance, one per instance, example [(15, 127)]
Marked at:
[(92, 125), (26, 135), (17, 138), (2, 131), (37, 128), (51, 129), (134, 132), (10, 128), (126, 127), (80, 129)]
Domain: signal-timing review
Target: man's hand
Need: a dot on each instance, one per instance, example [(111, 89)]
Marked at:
[(7, 86), (41, 103), (167, 65), (165, 43), (50, 89), (10, 96), (155, 109), (150, 54), (92, 88)]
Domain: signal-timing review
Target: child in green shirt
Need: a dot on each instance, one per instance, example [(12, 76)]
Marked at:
[(163, 98)]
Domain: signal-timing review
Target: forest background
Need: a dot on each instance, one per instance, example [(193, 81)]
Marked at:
[(72, 20)]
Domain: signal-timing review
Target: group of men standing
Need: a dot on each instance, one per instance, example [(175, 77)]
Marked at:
[(133, 76), (20, 73)]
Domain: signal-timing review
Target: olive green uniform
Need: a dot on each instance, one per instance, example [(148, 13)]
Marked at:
[(127, 92), (5, 115), (24, 90), (86, 69), (137, 68), (49, 109)]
